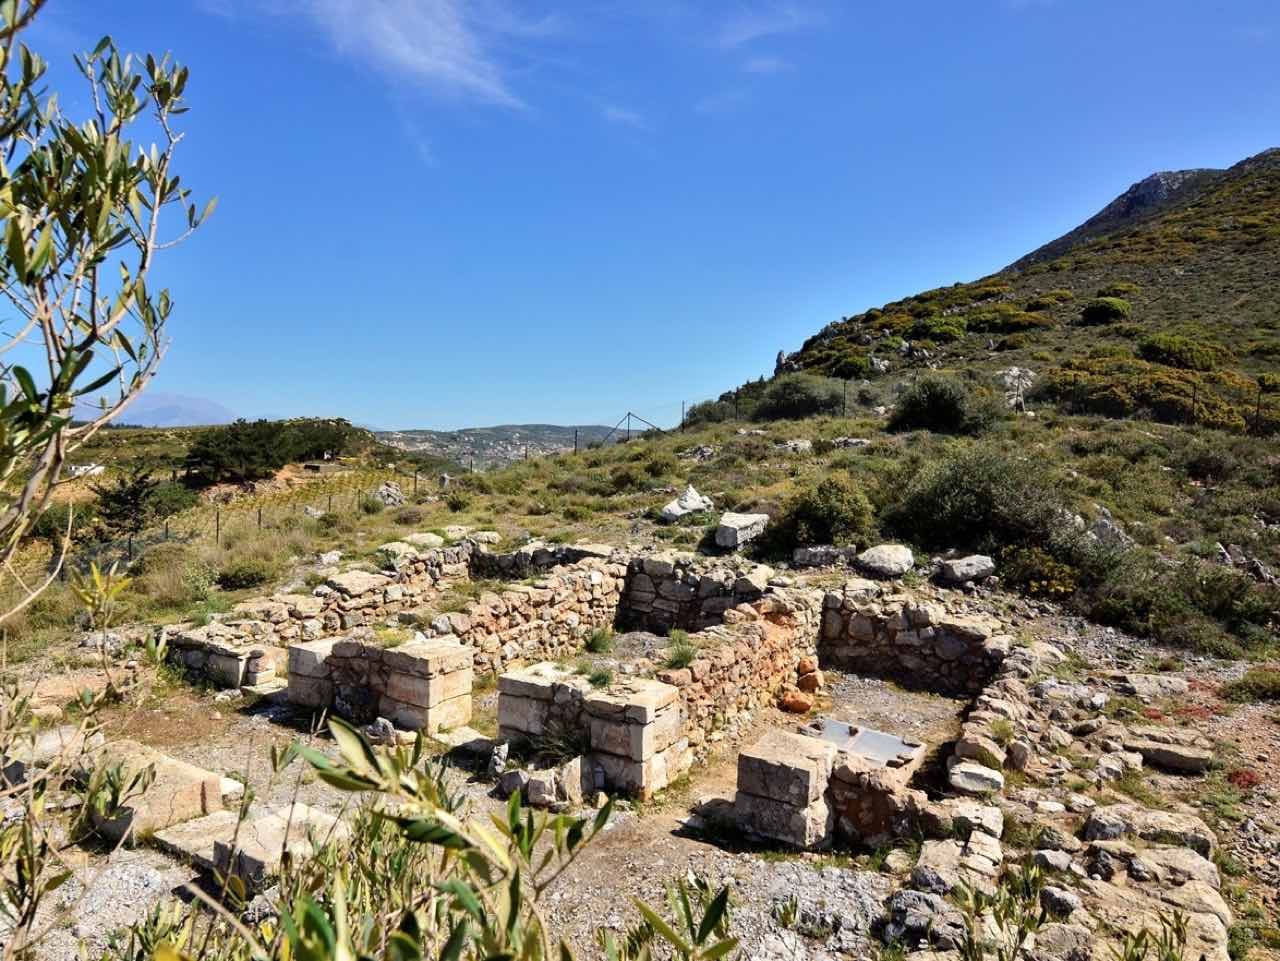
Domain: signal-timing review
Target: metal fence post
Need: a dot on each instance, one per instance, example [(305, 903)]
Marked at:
[(415, 482), (330, 504), (166, 529), (131, 548), (217, 527)]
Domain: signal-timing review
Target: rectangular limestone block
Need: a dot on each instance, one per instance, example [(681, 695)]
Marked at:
[(637, 741), (447, 714), (226, 670), (308, 658), (537, 682), (310, 691), (524, 714), (178, 792), (803, 827), (429, 691), (255, 854), (636, 700), (641, 779), (786, 767), (427, 657)]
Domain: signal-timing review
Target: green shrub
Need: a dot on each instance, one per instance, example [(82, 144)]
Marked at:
[(1187, 353), (1013, 342), (939, 328), (834, 511), (371, 506), (682, 651), (660, 465), (1121, 289), (171, 497), (627, 478), (1105, 310), (600, 641), (329, 521), (1049, 299), (981, 498), (945, 405), (793, 396), (457, 502), (1204, 461), (1205, 607), (61, 520), (245, 572), (1258, 684), (1037, 572), (1005, 319)]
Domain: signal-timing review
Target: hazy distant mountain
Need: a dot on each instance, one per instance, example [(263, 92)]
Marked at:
[(158, 409), (493, 446)]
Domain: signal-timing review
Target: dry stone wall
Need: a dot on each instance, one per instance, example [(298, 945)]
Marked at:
[(678, 590), (744, 662), (919, 643), (424, 684), (246, 647), (549, 618)]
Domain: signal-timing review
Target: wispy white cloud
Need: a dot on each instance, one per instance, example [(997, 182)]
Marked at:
[(436, 42), (452, 47), (418, 140), (623, 117), (765, 65), (765, 21)]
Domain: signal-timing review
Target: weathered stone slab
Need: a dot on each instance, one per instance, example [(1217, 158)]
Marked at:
[(736, 529), (308, 659), (178, 792), (786, 767), (194, 840), (635, 699), (262, 841), (798, 827), (357, 583), (1130, 820), (427, 657), (66, 740)]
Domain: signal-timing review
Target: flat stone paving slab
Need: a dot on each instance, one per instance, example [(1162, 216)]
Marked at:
[(262, 841), (178, 792), (194, 840)]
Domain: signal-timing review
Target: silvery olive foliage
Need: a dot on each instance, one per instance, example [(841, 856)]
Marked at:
[(87, 205)]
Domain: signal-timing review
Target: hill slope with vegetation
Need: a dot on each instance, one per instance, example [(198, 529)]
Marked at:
[(1170, 315)]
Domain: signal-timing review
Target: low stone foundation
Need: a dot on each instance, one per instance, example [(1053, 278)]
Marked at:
[(422, 685), (808, 790), (630, 732), (921, 645), (679, 590)]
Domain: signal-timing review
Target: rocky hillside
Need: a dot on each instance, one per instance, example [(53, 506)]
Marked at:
[(1163, 305)]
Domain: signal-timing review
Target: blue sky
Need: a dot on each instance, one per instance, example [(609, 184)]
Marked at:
[(444, 213)]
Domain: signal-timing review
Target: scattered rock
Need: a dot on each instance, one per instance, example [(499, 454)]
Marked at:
[(887, 560), (737, 529), (972, 568), (689, 502)]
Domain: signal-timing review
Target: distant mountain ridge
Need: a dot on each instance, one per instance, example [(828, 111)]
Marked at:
[(494, 446), (160, 409)]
